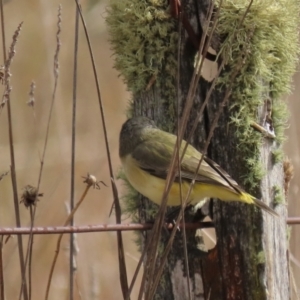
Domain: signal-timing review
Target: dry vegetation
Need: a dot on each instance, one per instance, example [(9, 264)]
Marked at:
[(97, 275), (97, 264)]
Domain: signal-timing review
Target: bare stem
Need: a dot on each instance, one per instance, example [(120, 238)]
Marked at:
[(101, 228), (6, 99), (72, 186), (121, 256), (60, 238)]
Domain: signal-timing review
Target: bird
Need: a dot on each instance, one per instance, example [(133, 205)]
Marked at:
[(146, 151)]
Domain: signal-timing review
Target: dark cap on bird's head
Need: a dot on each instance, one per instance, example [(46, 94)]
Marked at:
[(131, 133)]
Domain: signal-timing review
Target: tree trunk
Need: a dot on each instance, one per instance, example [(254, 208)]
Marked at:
[(249, 261), (252, 246), (250, 258)]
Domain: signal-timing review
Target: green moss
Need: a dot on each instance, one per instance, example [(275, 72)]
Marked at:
[(255, 170), (144, 40), (260, 257), (268, 39), (278, 195), (289, 232), (144, 37), (280, 115), (277, 155)]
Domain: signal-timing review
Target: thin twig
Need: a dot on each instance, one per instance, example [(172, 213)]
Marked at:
[(6, 99), (221, 106), (293, 221), (266, 133), (72, 186), (293, 285), (3, 175), (29, 198), (196, 74), (7, 64), (121, 256), (156, 232), (30, 256), (60, 238), (200, 113), (56, 73), (167, 249), (1, 270), (31, 103), (111, 227), (186, 261), (170, 177), (138, 267), (158, 273), (96, 228)]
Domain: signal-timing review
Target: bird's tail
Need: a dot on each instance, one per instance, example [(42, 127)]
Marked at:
[(265, 207), (245, 197)]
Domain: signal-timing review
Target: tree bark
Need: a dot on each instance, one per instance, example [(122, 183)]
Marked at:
[(250, 259)]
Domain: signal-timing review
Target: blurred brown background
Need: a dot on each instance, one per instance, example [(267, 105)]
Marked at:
[(97, 266)]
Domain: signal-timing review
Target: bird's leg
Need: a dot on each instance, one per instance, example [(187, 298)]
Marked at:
[(172, 215)]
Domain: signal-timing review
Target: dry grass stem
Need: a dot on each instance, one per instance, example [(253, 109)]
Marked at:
[(31, 100), (121, 256), (180, 20), (56, 73), (7, 64), (264, 131), (151, 261), (72, 184), (1, 270), (3, 175), (29, 198), (31, 103), (6, 99), (100, 228), (90, 180)]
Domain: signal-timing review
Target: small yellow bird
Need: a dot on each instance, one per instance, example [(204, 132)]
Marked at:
[(146, 152)]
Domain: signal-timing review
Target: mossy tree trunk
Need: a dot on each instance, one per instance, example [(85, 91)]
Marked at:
[(160, 103), (252, 247), (249, 261), (250, 258)]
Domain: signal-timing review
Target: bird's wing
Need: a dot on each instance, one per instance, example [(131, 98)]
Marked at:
[(208, 169), (154, 156)]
